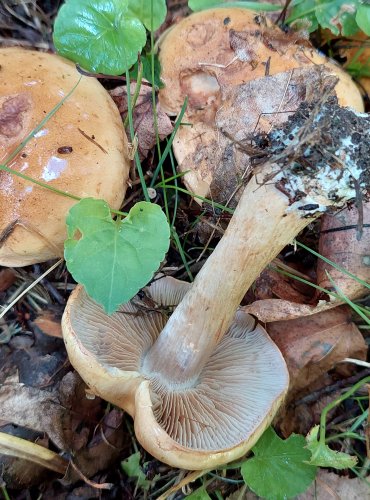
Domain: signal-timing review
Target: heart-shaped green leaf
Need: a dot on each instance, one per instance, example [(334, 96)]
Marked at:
[(103, 36), (114, 259)]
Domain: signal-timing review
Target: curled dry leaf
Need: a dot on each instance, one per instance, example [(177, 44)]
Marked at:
[(143, 117), (71, 421), (312, 348), (59, 413), (269, 310)]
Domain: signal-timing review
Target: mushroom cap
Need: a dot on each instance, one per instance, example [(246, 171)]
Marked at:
[(201, 424), (241, 75), (82, 150)]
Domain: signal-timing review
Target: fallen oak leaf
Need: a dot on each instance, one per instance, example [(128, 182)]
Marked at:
[(311, 347), (143, 117)]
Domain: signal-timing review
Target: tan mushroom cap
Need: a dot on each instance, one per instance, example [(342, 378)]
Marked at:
[(82, 150), (225, 54), (201, 424)]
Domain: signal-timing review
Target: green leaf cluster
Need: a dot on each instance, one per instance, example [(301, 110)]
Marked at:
[(105, 36), (341, 17), (279, 468), (113, 259)]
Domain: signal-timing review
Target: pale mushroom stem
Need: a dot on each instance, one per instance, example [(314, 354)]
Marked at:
[(258, 231)]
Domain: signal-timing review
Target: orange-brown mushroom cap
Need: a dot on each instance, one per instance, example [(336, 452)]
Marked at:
[(82, 150), (202, 423), (241, 76)]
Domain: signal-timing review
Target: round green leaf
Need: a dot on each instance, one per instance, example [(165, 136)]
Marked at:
[(363, 18), (100, 35), (278, 470), (114, 259), (142, 10)]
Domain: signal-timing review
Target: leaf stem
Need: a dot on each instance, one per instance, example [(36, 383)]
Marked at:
[(5, 493), (169, 143), (132, 134), (137, 90), (335, 403), (205, 200)]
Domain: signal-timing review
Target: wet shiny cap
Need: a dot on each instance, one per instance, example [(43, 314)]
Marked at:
[(82, 150)]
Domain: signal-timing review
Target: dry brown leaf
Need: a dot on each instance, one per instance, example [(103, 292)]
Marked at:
[(35, 409), (48, 321), (105, 447), (339, 243), (273, 284), (7, 278), (143, 119), (63, 413), (311, 348), (73, 423), (327, 486), (331, 486)]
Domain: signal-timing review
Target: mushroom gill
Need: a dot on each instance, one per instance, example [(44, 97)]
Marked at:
[(220, 413)]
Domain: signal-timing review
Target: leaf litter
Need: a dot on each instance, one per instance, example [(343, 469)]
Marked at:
[(75, 423)]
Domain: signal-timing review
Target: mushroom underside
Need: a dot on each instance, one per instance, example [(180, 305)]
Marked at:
[(236, 393)]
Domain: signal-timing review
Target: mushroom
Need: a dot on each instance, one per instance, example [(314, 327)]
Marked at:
[(81, 150), (241, 75), (204, 384)]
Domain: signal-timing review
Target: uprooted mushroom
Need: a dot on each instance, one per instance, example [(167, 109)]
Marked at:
[(242, 75), (81, 150), (203, 384)]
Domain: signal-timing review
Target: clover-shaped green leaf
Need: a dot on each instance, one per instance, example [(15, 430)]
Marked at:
[(114, 259), (103, 36), (323, 456)]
